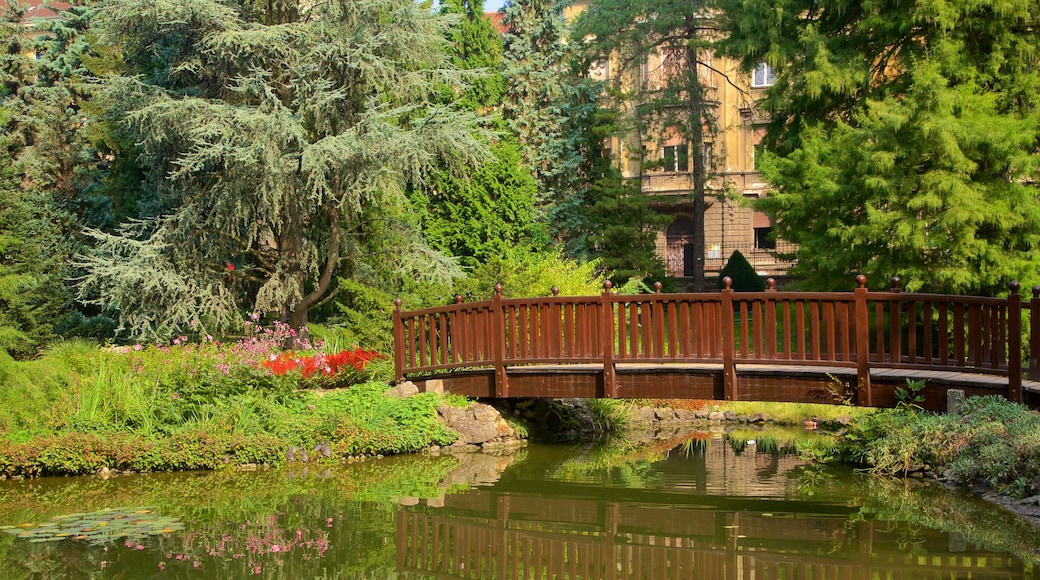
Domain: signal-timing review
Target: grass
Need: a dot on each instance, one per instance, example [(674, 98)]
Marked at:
[(795, 413), (80, 407)]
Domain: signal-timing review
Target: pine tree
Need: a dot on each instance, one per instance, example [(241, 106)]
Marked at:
[(628, 34), (269, 136), (905, 138)]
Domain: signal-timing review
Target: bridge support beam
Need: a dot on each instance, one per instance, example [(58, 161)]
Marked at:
[(498, 343)]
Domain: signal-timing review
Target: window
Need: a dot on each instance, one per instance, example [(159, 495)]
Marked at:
[(676, 158), (756, 161), (764, 76), (764, 239)]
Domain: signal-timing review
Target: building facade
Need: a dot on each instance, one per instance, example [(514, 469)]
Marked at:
[(663, 166)]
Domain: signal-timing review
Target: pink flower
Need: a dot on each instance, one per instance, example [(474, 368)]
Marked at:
[(139, 547), (138, 347), (162, 566), (195, 563)]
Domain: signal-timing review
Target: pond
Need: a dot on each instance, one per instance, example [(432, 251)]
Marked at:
[(693, 507)]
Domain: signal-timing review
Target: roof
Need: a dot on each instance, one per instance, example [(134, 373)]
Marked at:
[(39, 9), (498, 20)]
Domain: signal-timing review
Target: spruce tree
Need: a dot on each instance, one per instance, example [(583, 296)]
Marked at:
[(904, 137), (539, 93), (270, 135)]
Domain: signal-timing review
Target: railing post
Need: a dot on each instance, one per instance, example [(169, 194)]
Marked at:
[(498, 346), (398, 342), (607, 340), (769, 309), (1014, 343), (1034, 335), (729, 346), (864, 394)]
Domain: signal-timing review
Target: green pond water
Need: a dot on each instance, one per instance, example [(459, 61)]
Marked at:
[(696, 507)]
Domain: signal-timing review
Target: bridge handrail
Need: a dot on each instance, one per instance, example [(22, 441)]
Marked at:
[(846, 329)]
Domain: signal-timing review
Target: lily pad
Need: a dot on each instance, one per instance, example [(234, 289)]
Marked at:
[(100, 527)]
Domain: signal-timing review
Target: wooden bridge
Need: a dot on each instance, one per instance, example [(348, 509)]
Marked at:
[(855, 347)]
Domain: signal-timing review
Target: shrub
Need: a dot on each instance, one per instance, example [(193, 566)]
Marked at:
[(743, 275)]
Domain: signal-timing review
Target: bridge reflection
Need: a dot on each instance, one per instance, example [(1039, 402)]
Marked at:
[(524, 529)]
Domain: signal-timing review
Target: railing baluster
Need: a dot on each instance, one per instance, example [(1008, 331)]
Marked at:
[(800, 338), (928, 341), (911, 331), (657, 318), (829, 330), (958, 334), (814, 325)]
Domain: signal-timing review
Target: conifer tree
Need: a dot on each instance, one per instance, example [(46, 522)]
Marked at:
[(905, 137), (539, 94), (631, 33), (491, 211), (270, 134)]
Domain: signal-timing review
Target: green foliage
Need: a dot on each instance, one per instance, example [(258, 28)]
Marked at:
[(529, 274), (744, 277), (264, 174), (539, 94), (488, 213), (476, 46), (903, 137), (994, 440), (78, 409), (659, 104)]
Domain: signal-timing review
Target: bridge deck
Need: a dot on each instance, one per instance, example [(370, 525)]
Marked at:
[(792, 383)]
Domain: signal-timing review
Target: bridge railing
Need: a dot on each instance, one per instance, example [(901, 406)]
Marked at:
[(859, 329)]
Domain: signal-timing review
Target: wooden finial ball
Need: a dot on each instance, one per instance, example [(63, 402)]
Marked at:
[(861, 281), (657, 287)]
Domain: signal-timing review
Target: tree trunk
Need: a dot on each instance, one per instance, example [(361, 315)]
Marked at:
[(695, 127)]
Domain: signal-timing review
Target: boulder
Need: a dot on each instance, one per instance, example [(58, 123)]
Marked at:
[(477, 423), (402, 391)]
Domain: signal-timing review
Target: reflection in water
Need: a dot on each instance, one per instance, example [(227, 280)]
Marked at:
[(712, 514), (703, 511)]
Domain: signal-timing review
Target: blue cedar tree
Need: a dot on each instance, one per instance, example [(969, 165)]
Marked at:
[(267, 137)]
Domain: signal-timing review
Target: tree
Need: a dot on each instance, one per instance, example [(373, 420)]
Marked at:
[(905, 138), (476, 46), (538, 94), (608, 219), (672, 100), (270, 135), (491, 211)]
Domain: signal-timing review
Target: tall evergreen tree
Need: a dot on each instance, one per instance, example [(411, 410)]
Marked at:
[(268, 133), (539, 92), (671, 100), (492, 211), (905, 137)]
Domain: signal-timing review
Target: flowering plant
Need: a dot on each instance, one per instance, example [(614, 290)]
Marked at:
[(332, 369)]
